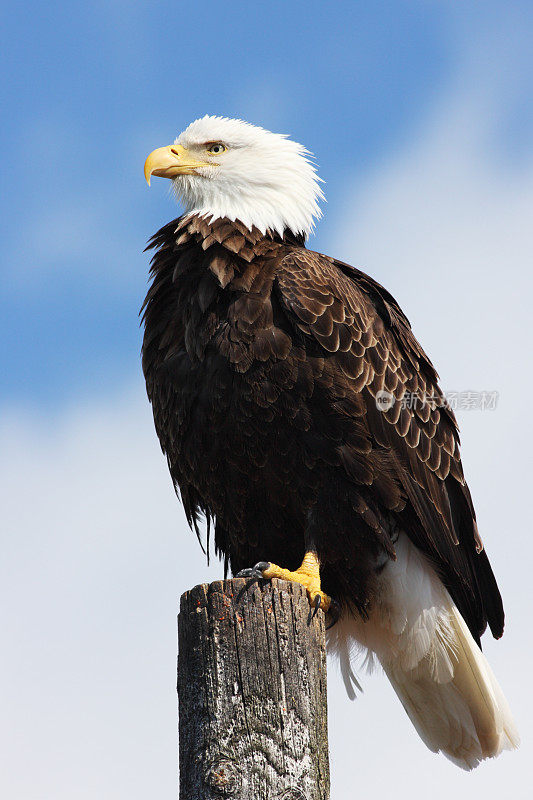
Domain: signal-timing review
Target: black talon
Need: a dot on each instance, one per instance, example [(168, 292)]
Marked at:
[(250, 582), (254, 574), (313, 610), (246, 573), (318, 602), (334, 613)]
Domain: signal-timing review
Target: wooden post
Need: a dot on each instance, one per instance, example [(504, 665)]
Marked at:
[(252, 693)]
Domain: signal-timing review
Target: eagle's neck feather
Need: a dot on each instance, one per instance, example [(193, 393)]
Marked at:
[(268, 208), (234, 235)]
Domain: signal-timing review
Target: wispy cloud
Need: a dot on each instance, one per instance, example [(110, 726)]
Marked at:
[(444, 223), (95, 554)]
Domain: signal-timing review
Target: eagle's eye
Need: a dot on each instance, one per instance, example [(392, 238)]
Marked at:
[(216, 148)]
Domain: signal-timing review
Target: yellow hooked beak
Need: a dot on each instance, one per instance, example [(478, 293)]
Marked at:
[(167, 162)]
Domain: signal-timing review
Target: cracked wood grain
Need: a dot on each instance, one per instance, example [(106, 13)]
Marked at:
[(252, 693)]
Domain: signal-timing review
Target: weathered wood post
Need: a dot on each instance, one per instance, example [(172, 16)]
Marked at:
[(252, 693)]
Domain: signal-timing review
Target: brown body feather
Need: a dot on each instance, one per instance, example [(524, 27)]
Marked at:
[(262, 362)]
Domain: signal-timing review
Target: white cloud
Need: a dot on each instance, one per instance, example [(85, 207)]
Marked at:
[(445, 225), (96, 554)]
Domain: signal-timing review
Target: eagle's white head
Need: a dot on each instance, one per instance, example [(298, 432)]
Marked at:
[(224, 167)]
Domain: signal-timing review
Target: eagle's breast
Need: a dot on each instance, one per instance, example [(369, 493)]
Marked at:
[(230, 387)]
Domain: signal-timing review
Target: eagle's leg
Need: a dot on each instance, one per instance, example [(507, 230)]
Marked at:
[(308, 574)]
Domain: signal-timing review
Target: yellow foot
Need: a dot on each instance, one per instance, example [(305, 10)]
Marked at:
[(308, 574)]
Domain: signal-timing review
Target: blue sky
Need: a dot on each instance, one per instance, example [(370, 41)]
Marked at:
[(92, 88), (421, 118)]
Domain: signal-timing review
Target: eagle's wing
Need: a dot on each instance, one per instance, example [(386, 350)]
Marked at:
[(360, 327)]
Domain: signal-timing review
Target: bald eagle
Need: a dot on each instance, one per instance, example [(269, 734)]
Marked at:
[(278, 379)]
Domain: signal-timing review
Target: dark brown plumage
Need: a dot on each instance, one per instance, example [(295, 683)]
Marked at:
[(262, 362)]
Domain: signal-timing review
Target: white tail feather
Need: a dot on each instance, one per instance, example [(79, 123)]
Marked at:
[(434, 665)]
